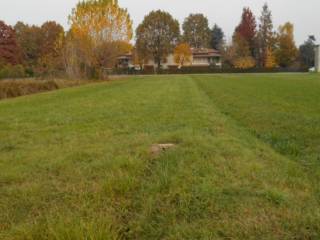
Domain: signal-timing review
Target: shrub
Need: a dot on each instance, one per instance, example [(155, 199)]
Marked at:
[(245, 63), (12, 71), (19, 87), (148, 69)]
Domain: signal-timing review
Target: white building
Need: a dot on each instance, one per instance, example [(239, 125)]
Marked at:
[(317, 58), (203, 57)]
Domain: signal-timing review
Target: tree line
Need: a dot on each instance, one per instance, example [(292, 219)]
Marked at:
[(101, 31)]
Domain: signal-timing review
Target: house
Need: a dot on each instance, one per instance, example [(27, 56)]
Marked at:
[(203, 57), (206, 57)]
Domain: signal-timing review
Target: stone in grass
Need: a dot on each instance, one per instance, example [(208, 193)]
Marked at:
[(157, 149)]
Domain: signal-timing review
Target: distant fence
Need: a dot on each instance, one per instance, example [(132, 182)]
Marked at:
[(205, 70)]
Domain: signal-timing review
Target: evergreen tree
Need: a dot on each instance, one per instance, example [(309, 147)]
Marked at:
[(266, 37), (307, 53), (217, 37)]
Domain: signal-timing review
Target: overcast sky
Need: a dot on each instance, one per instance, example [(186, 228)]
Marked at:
[(226, 13)]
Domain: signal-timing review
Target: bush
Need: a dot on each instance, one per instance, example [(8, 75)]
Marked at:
[(245, 63), (12, 71), (19, 87), (149, 69)]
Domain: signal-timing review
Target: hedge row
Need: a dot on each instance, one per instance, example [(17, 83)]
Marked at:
[(19, 87), (204, 70)]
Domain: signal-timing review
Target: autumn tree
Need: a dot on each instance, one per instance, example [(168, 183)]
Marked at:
[(196, 31), (29, 39), (228, 53), (241, 45), (51, 47), (242, 57), (266, 36), (287, 51), (97, 25), (182, 54), (307, 53), (143, 53), (217, 37), (137, 59), (247, 29), (269, 59), (9, 49), (106, 53), (41, 47), (157, 36), (73, 56)]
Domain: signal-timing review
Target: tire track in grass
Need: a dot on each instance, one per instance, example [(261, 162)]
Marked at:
[(165, 129)]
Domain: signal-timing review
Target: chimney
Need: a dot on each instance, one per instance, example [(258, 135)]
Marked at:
[(317, 58)]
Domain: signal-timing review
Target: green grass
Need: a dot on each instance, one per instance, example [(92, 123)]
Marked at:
[(75, 164)]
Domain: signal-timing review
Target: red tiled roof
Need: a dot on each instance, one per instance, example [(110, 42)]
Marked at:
[(196, 52), (125, 56), (205, 52)]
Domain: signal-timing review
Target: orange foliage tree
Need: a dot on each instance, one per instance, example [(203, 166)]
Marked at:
[(51, 48), (182, 54)]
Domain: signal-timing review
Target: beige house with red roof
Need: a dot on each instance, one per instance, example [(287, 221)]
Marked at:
[(203, 57)]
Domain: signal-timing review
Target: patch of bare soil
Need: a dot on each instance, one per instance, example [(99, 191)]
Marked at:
[(157, 149)]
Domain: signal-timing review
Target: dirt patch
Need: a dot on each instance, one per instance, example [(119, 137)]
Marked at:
[(157, 149)]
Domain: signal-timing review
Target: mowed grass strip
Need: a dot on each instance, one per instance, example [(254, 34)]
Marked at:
[(76, 164), (282, 110)]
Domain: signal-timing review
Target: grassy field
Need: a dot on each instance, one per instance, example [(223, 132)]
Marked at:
[(75, 164)]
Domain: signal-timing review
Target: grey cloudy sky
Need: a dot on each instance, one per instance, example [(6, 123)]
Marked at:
[(226, 13)]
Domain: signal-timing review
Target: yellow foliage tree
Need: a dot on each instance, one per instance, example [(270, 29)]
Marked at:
[(182, 54), (101, 20), (270, 59), (242, 57), (99, 25), (287, 51), (244, 62)]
